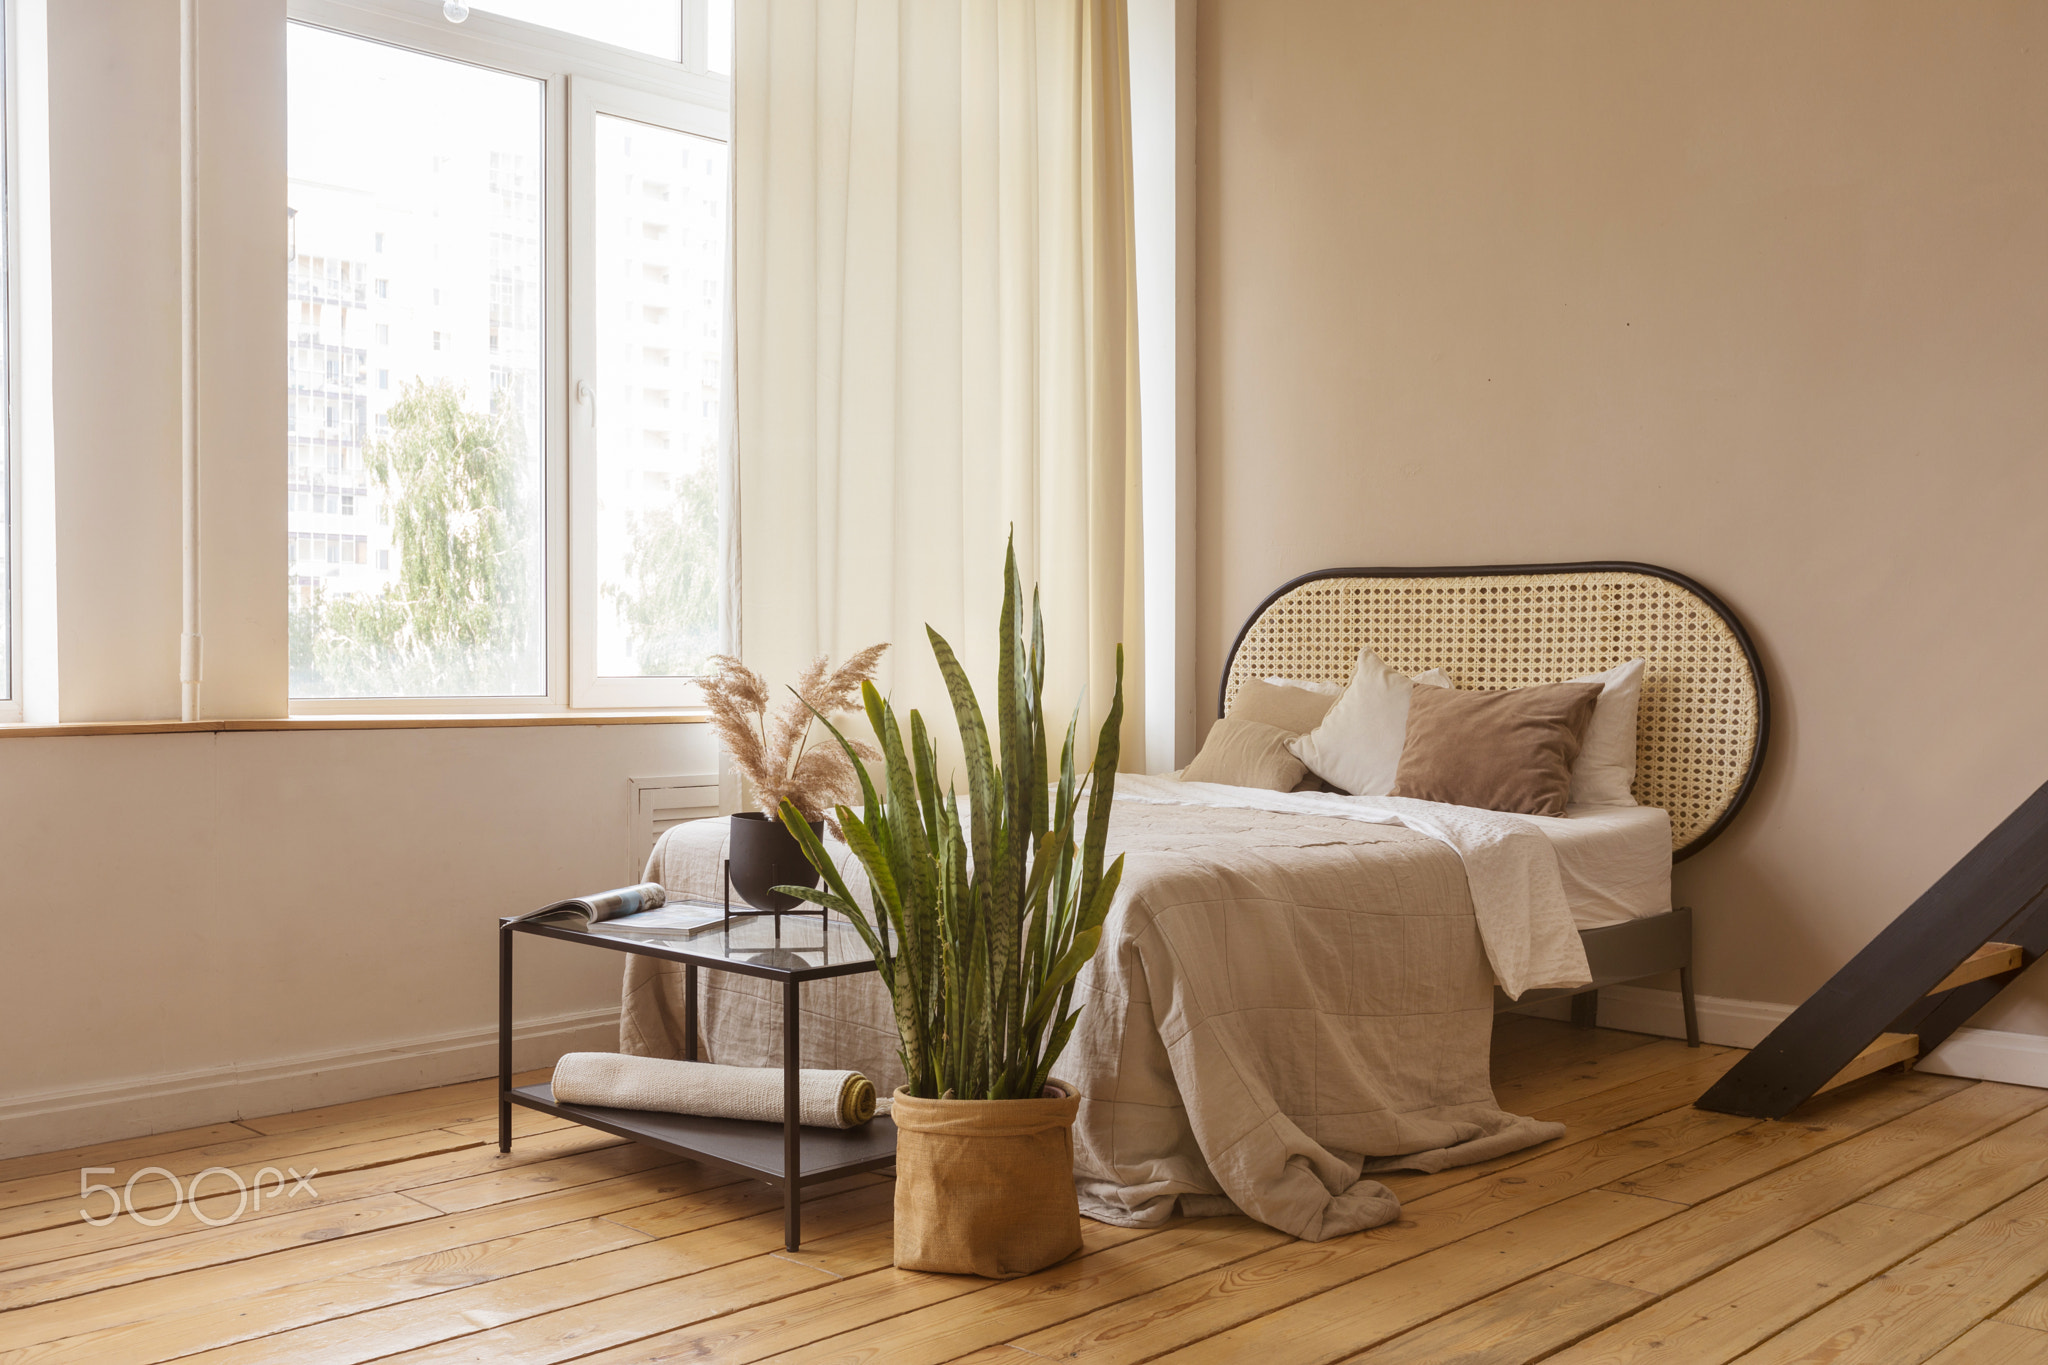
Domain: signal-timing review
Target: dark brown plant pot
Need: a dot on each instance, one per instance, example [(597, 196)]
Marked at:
[(763, 854)]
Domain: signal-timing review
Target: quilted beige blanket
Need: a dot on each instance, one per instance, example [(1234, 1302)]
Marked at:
[(1286, 1001)]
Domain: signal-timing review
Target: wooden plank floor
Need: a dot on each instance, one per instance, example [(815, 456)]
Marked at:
[(1902, 1218)]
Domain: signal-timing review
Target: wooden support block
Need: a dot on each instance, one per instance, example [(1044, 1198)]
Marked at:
[(1888, 1050), (1989, 960)]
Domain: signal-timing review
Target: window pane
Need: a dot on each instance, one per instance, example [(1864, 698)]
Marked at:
[(414, 326), (719, 37), (651, 26), (660, 255)]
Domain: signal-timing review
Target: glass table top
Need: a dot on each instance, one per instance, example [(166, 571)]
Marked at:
[(757, 944)]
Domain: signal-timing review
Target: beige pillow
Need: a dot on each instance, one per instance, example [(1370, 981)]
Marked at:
[(1506, 751), (1245, 753), (1293, 709)]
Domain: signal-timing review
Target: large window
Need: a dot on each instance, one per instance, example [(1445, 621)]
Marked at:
[(503, 475), (414, 308), (651, 26)]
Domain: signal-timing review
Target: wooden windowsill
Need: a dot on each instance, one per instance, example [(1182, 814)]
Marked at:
[(485, 721)]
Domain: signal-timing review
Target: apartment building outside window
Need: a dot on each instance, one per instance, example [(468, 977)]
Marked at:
[(493, 505)]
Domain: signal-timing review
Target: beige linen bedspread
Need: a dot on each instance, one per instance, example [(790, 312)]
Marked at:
[(1283, 1004)]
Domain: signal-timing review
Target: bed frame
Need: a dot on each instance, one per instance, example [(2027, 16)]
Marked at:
[(1704, 722)]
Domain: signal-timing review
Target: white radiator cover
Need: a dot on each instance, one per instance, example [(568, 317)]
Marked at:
[(659, 803)]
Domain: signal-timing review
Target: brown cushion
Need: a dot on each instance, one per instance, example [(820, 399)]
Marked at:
[(1293, 709), (1507, 751), (1245, 753)]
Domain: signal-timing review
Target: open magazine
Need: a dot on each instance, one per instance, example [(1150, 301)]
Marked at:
[(639, 909)]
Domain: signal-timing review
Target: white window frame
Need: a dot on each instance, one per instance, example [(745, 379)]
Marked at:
[(588, 99), (11, 707), (686, 89)]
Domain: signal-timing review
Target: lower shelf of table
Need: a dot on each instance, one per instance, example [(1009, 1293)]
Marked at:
[(756, 1148)]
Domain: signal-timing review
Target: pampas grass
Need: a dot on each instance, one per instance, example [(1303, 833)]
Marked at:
[(774, 753)]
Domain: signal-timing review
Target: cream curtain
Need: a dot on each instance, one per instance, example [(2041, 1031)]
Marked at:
[(937, 338)]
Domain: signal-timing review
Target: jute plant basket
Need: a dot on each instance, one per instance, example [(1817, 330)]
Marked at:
[(986, 1187)]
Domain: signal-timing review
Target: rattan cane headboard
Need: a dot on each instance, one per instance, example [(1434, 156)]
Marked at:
[(1705, 714)]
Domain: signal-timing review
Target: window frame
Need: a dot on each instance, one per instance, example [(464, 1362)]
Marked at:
[(559, 60), (12, 706), (587, 99)]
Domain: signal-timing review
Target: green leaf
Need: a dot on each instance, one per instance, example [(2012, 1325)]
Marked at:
[(1043, 1075), (815, 854), (1040, 820), (881, 877), (830, 900), (1066, 969), (1103, 783), (927, 760), (872, 802), (1097, 910), (981, 775), (909, 849), (992, 911)]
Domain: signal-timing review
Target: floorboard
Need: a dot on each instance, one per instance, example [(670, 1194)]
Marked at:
[(1995, 1343), (1929, 1300), (1901, 1219), (76, 1237)]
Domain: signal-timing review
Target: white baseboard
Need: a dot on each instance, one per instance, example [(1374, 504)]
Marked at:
[(1726, 1021), (1979, 1054), (55, 1119), (1985, 1054)]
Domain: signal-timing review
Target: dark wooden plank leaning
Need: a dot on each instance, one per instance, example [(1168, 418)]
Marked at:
[(1993, 891)]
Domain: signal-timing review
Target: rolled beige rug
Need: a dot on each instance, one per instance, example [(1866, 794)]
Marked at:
[(825, 1099)]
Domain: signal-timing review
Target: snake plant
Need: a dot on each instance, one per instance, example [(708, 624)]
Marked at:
[(980, 922)]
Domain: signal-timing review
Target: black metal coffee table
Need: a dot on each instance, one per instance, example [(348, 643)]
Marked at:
[(787, 1154)]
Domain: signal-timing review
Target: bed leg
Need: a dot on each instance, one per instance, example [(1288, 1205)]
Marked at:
[(1692, 1014), (1586, 1009)]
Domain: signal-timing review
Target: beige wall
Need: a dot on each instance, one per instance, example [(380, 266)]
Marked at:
[(1758, 291), (203, 926)]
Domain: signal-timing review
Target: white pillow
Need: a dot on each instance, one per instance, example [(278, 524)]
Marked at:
[(1606, 765), (1321, 689), (1358, 745)]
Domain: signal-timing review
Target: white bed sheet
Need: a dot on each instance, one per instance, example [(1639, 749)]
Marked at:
[(1615, 861)]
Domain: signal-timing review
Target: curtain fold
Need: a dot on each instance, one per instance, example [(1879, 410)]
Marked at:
[(936, 339)]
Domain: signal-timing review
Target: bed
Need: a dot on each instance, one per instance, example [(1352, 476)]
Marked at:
[(1701, 731), (1296, 989)]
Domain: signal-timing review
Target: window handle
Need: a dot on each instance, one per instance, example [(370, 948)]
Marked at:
[(588, 398)]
